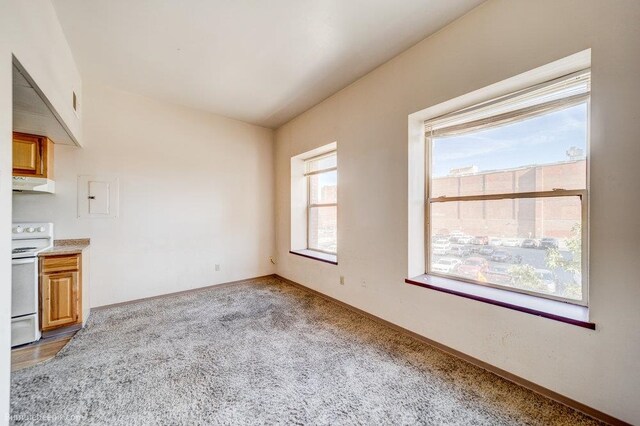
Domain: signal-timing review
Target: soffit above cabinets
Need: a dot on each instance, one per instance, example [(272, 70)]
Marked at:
[(33, 113)]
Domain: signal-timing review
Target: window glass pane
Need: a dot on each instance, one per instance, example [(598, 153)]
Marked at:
[(323, 188), (322, 163), (538, 154), (323, 229), (531, 244)]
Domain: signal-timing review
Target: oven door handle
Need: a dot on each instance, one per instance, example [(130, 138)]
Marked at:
[(23, 261)]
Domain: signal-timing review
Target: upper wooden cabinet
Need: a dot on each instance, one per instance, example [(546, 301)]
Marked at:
[(32, 156)]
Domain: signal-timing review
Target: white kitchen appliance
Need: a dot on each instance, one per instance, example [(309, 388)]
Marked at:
[(28, 239)]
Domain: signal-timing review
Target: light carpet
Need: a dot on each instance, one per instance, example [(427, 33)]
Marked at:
[(262, 352)]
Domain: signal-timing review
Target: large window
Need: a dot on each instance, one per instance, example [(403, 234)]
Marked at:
[(321, 173), (507, 191)]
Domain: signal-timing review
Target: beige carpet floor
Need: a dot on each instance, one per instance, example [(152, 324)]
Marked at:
[(262, 352)]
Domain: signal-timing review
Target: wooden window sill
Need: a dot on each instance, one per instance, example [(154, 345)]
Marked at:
[(316, 255), (539, 306)]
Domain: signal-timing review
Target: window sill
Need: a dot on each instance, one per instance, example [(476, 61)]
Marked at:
[(551, 309), (316, 255)]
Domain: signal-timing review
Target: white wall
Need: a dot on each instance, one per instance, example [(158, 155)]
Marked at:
[(30, 30), (5, 222), (500, 39), (195, 190)]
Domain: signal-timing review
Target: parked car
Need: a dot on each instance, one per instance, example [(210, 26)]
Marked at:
[(480, 241), (501, 256), (548, 278), (511, 242), (547, 243), (459, 251), (474, 268), (442, 233), (465, 239), (499, 274), (441, 248), (494, 241), (445, 265), (486, 251), (460, 239), (529, 243)]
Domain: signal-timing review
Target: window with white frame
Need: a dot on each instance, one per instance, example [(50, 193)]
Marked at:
[(321, 173), (507, 188)]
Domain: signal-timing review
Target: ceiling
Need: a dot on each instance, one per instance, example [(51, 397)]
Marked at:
[(263, 62)]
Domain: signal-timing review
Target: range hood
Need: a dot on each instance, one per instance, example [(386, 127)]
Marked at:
[(33, 185)]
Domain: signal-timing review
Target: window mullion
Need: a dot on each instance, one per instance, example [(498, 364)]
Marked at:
[(323, 205), (317, 172), (511, 195)]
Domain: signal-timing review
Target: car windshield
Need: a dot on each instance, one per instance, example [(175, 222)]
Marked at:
[(473, 262)]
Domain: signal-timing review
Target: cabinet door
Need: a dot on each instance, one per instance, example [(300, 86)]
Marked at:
[(32, 155), (59, 299), (26, 156)]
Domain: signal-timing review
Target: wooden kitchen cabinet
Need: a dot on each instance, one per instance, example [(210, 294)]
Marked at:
[(60, 291), (32, 156)]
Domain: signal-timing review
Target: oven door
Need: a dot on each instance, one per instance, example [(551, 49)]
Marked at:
[(24, 286)]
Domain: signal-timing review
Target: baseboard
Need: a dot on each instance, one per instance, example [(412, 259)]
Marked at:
[(176, 293), (547, 393)]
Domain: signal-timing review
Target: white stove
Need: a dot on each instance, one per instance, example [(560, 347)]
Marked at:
[(28, 239)]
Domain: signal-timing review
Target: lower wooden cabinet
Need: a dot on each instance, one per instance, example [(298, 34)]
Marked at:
[(60, 291)]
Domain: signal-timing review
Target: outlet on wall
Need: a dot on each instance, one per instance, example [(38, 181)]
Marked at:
[(217, 267), (363, 283), (341, 280)]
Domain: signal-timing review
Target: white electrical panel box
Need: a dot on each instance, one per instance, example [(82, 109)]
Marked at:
[(97, 196)]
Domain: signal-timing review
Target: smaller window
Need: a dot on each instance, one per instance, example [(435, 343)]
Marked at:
[(321, 173)]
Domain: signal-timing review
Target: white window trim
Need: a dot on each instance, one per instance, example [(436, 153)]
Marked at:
[(310, 205), (559, 192), (418, 158), (300, 201)]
